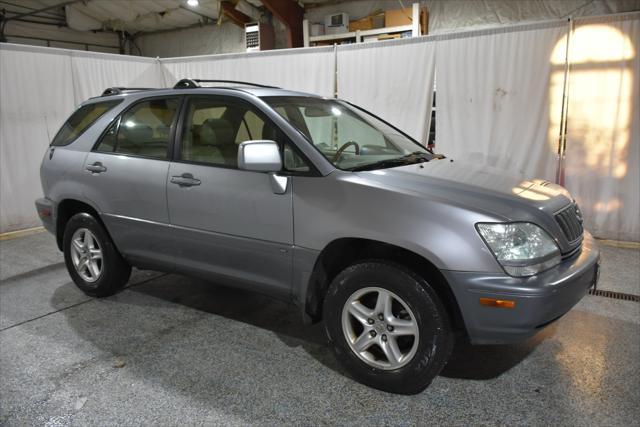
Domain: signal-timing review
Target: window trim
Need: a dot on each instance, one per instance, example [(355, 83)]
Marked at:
[(172, 129), (117, 102), (177, 146)]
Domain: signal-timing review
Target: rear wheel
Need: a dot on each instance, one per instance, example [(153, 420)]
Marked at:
[(387, 326), (93, 262)]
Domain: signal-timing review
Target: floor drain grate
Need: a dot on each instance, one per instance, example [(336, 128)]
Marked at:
[(614, 295)]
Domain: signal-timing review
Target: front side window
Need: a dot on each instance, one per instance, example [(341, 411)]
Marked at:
[(214, 128), (349, 138), (144, 130), (80, 121)]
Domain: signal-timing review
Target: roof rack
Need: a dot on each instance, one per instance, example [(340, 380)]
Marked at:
[(194, 83), (120, 90)]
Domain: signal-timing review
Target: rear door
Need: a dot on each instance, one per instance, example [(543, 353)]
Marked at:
[(126, 179), (229, 222)]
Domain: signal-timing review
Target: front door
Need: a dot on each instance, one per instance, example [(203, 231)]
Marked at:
[(229, 223)]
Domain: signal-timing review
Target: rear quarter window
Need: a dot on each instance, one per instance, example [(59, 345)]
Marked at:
[(80, 121)]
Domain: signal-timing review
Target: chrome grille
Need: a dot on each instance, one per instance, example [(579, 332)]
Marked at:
[(570, 221)]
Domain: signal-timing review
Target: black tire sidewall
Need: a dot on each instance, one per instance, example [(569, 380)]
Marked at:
[(115, 271), (435, 337)]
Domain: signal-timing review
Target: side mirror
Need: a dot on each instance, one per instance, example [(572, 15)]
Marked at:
[(259, 156)]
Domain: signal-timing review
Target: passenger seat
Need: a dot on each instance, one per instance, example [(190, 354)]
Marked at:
[(205, 145)]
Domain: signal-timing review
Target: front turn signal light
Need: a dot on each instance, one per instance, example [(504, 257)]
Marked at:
[(499, 303)]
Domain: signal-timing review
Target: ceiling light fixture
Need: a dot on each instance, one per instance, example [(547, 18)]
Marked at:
[(192, 3)]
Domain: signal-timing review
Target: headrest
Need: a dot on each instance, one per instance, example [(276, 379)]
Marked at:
[(137, 133), (222, 129), (269, 132), (207, 134)]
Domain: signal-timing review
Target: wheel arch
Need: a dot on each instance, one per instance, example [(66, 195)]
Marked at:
[(342, 252), (68, 208)]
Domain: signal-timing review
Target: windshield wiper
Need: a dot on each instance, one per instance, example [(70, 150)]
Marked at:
[(415, 157)]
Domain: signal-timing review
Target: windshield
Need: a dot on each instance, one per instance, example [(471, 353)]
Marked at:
[(349, 138)]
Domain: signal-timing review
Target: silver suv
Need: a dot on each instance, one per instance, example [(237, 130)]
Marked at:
[(318, 202)]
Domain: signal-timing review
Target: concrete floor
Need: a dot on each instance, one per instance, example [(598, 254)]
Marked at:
[(171, 351)]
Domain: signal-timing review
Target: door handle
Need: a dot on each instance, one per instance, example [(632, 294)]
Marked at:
[(96, 168), (185, 180)]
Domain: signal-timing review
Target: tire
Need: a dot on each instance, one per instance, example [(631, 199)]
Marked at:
[(112, 272), (425, 349)]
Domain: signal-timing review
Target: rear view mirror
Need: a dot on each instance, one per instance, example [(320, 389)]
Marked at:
[(316, 112), (259, 156)]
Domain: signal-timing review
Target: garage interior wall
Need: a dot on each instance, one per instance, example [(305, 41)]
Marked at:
[(29, 33), (205, 40), (510, 74)]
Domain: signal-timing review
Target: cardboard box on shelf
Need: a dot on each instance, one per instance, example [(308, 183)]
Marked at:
[(400, 17), (397, 17), (375, 20), (424, 21), (388, 36), (361, 24)]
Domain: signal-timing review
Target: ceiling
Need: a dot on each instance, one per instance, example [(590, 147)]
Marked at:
[(133, 16)]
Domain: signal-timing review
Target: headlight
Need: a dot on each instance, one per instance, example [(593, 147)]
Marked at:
[(522, 248)]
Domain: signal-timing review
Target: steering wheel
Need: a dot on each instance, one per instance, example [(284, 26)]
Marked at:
[(344, 146)]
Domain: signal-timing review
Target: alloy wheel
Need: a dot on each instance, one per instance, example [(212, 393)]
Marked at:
[(86, 255), (380, 328)]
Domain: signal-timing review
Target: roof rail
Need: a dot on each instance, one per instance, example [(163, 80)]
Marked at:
[(119, 90), (194, 83)]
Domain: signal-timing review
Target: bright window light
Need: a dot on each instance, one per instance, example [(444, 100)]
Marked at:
[(192, 3), (335, 111)]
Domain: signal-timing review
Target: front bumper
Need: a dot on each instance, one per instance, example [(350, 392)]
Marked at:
[(539, 299)]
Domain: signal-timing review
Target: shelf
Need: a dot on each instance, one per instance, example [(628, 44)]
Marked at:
[(360, 33), (357, 36), (386, 30), (327, 37)]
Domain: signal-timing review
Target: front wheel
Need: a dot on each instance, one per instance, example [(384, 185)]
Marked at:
[(387, 326), (93, 262)]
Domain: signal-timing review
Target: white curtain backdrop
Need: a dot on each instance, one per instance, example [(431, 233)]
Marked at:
[(36, 96), (603, 124), (306, 70), (39, 88), (499, 97), (94, 72), (393, 80)]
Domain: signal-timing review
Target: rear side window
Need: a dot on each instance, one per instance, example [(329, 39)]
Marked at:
[(143, 130), (80, 120)]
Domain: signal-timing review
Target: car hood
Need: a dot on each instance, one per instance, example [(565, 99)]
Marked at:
[(485, 188)]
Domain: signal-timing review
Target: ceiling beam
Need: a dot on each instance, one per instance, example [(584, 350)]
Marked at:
[(50, 18), (3, 2), (31, 21), (291, 15), (229, 10), (33, 12)]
